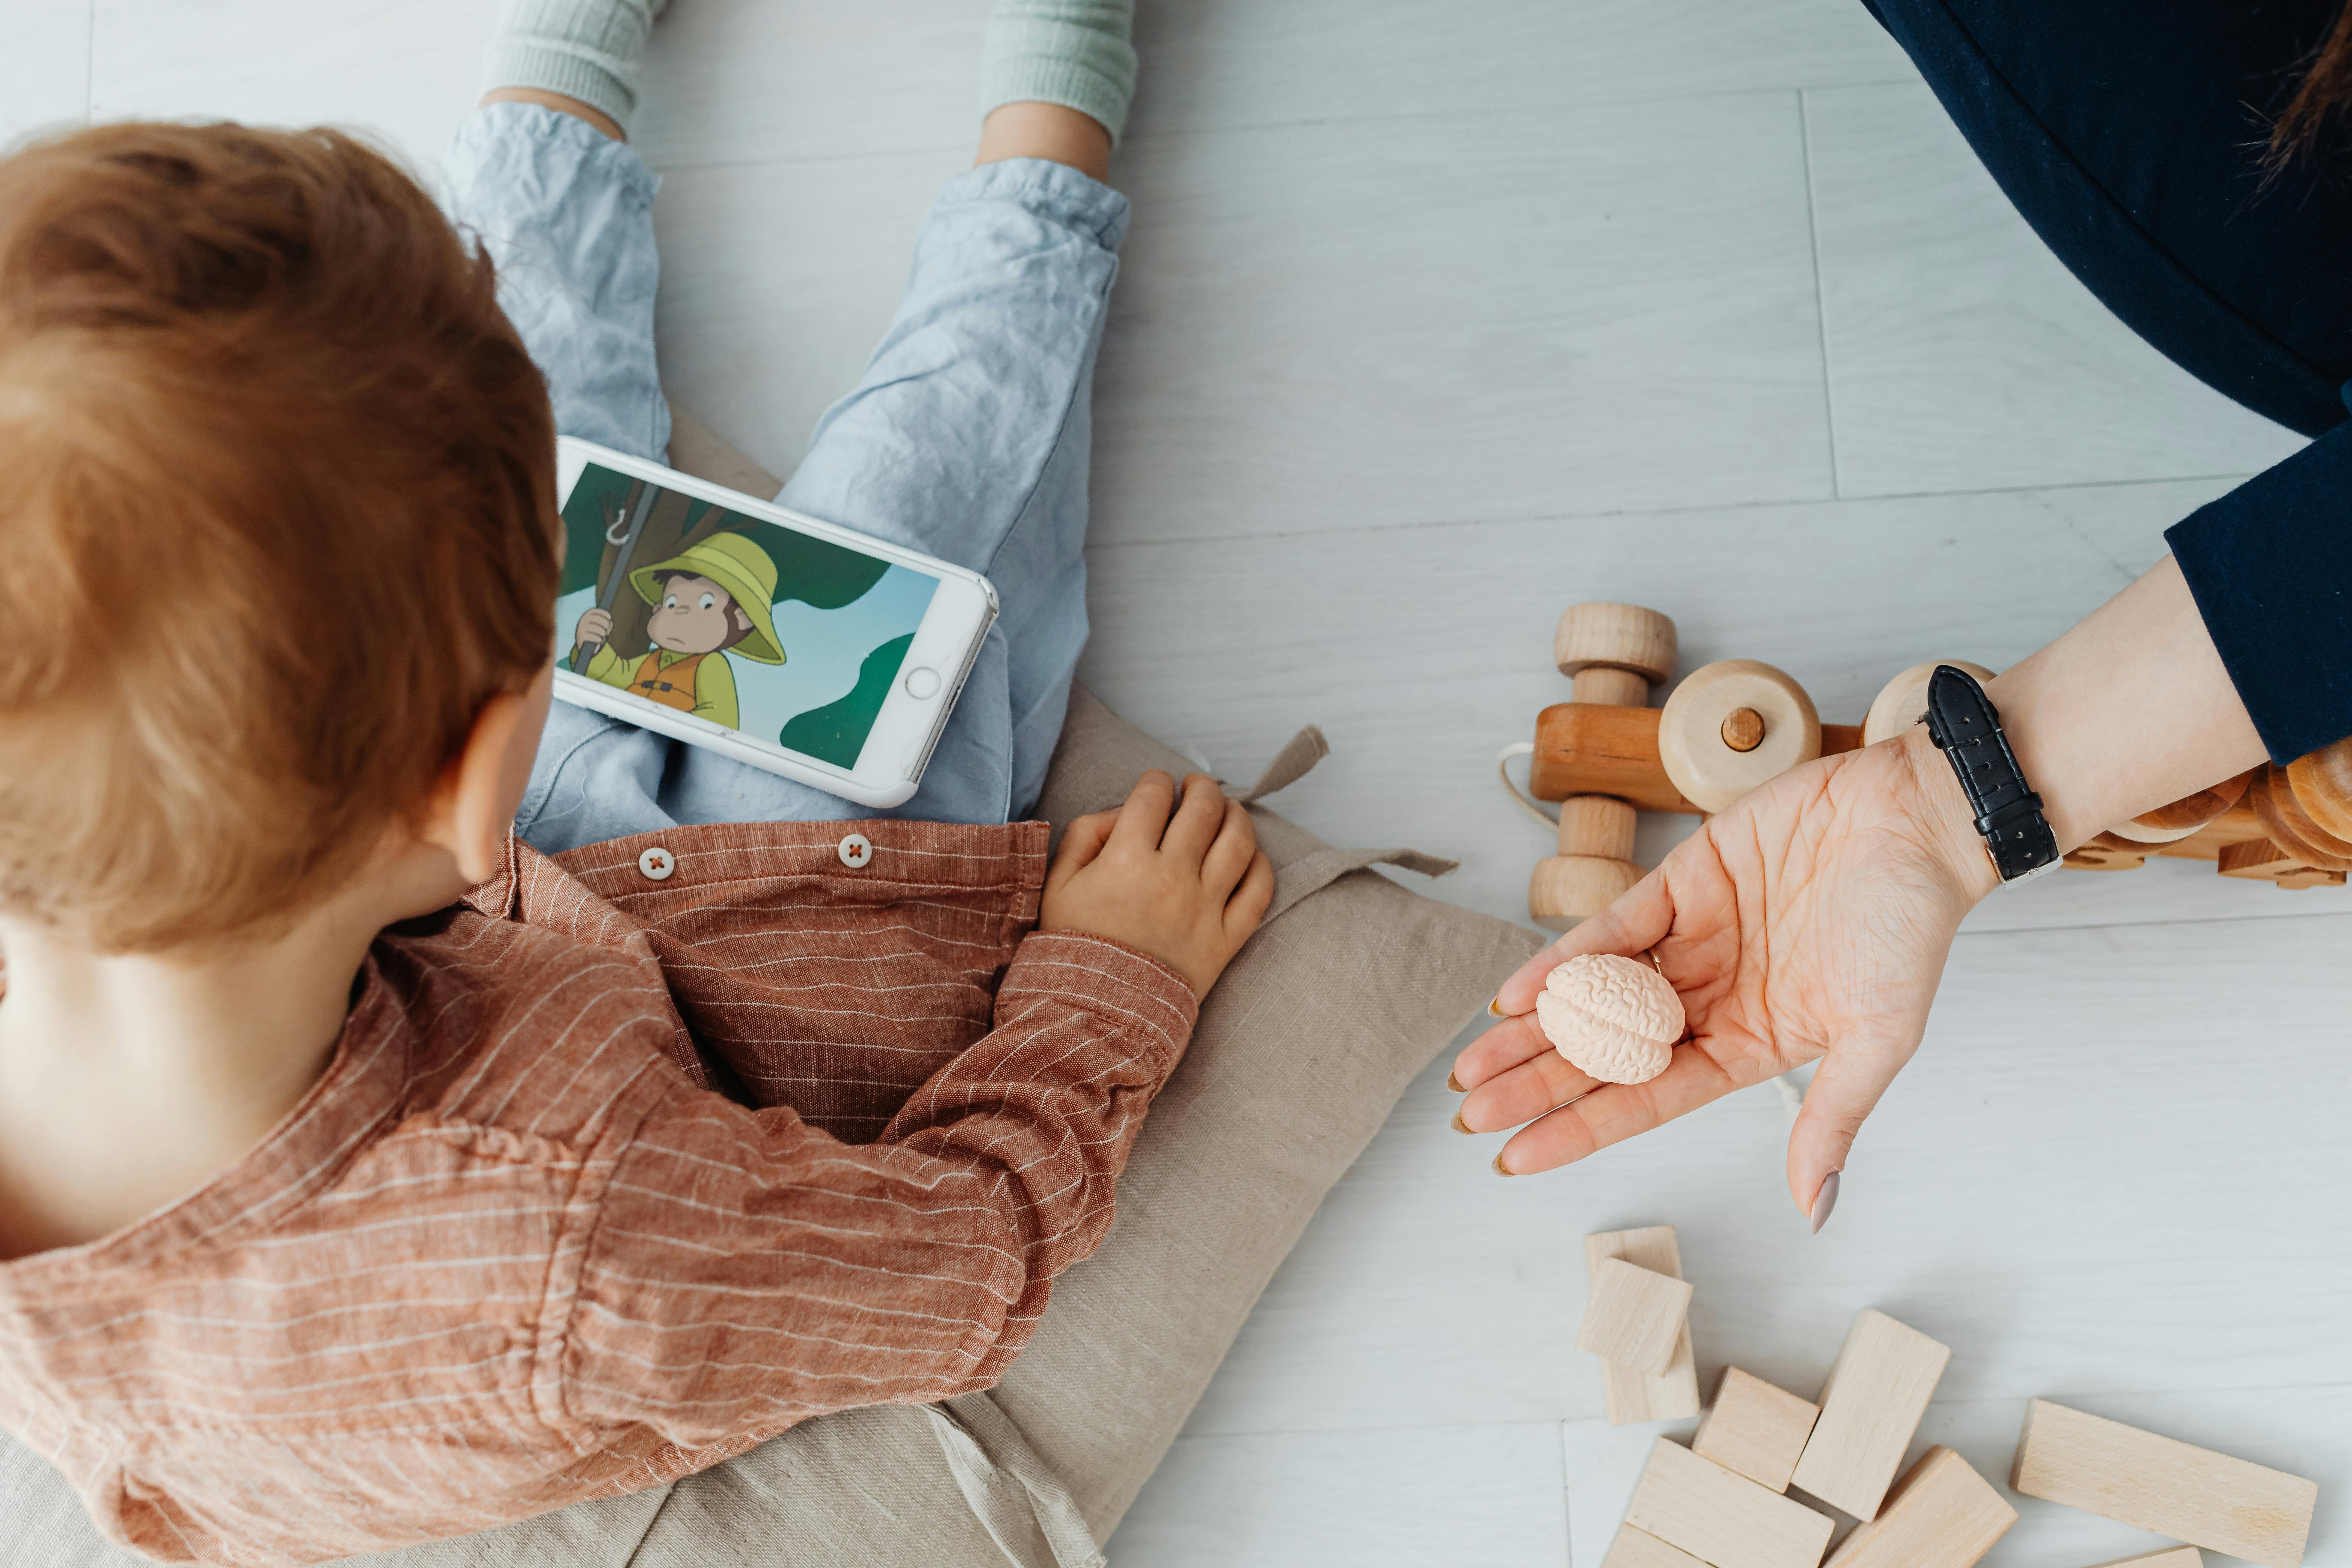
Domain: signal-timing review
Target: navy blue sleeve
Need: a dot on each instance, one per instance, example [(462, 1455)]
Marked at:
[(2271, 566)]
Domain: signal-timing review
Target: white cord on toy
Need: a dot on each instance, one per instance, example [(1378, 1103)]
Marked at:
[(1503, 771)]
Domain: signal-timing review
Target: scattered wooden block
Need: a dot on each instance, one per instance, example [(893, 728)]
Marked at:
[(1635, 1317), (1871, 1404), (1672, 1395), (1941, 1514), (2170, 1557), (1755, 1429), (2259, 859), (2192, 1494), (1721, 1519), (1635, 1549)]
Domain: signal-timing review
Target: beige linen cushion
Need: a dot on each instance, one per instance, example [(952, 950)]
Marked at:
[(1302, 1050)]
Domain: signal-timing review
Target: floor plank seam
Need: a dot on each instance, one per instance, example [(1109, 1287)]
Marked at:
[(1686, 510), (1821, 294), (1407, 117), (2224, 919)]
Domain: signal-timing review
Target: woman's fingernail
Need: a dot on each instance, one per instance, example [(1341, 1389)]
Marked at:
[(1455, 1084), (1501, 1169), (1496, 1007), (1460, 1125), (1824, 1201)]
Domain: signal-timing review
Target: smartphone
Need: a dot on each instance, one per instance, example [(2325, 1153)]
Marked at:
[(786, 642)]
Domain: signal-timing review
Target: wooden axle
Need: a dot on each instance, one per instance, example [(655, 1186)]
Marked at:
[(1583, 748)]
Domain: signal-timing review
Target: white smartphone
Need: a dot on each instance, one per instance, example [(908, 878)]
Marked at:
[(785, 642)]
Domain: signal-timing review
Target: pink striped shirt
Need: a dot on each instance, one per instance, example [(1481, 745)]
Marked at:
[(610, 1178)]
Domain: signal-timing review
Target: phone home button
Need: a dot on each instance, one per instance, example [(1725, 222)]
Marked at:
[(922, 682)]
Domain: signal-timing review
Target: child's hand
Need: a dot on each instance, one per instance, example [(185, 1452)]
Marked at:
[(1183, 882), (596, 626)]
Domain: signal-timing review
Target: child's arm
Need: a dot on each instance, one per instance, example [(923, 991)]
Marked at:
[(747, 1271)]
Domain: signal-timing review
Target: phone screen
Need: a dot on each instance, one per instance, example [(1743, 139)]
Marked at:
[(745, 623)]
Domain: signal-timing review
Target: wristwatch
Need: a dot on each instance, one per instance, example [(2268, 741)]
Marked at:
[(1965, 727)]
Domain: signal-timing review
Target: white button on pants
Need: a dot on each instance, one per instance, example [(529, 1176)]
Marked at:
[(855, 851), (657, 863)]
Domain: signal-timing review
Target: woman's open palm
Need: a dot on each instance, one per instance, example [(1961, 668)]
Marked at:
[(1810, 919)]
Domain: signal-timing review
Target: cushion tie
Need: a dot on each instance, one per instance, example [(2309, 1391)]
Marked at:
[(1318, 868), (1292, 763)]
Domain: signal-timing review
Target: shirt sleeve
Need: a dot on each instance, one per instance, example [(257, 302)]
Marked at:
[(746, 1271), (2271, 567)]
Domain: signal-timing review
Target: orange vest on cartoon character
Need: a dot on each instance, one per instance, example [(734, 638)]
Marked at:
[(673, 686)]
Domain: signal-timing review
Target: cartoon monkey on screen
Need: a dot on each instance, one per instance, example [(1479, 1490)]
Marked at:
[(714, 597)]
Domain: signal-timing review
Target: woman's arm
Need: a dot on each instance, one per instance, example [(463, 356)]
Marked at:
[(1812, 919)]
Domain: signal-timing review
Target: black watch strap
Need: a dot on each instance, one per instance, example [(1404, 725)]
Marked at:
[(1965, 726)]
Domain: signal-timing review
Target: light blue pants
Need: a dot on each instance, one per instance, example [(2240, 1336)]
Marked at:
[(967, 439)]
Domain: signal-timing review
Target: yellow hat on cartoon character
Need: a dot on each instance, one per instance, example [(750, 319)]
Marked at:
[(741, 567)]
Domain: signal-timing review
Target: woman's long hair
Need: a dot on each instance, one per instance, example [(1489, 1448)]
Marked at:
[(2324, 91)]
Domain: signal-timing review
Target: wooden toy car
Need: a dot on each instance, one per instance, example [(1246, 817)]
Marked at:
[(1605, 755)]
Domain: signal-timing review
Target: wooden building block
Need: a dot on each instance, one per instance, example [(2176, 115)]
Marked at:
[(1635, 1549), (2233, 825), (1871, 1404), (1722, 1519), (1672, 1395), (2191, 1494), (1635, 1317), (1755, 1429), (2259, 859), (1941, 1514), (2170, 1557)]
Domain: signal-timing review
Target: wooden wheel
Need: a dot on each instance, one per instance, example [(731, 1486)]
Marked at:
[(2291, 827), (2197, 810), (1901, 701), (2189, 814), (2105, 852), (1732, 725), (1614, 639), (1567, 889), (2322, 782)]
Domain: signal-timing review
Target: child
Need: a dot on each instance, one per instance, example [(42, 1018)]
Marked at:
[(367, 1176)]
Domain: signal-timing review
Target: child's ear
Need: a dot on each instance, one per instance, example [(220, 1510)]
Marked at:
[(482, 785)]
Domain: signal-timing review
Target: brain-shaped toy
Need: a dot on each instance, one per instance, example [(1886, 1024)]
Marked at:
[(1614, 1018)]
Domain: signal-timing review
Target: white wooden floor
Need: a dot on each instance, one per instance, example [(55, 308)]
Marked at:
[(1438, 317)]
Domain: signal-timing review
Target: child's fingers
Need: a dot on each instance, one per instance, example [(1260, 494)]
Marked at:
[(1228, 860), (1200, 812), (1081, 842), (1252, 899), (1144, 816), (1544, 1083)]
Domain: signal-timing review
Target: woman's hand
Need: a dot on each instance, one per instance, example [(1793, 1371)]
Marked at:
[(1811, 919)]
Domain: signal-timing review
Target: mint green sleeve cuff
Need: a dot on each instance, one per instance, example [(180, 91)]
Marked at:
[(1075, 53)]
